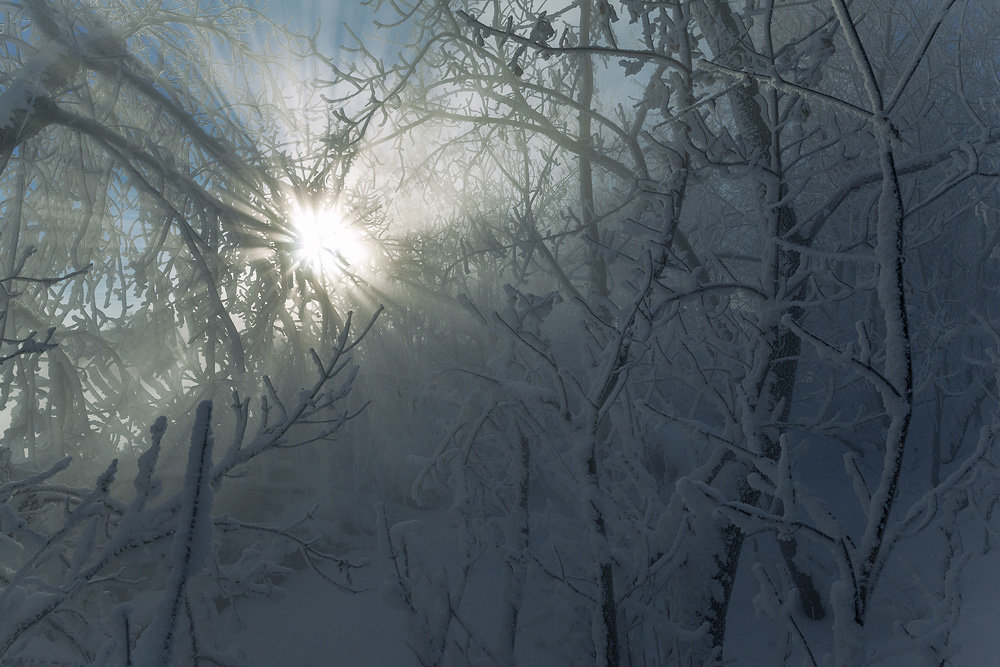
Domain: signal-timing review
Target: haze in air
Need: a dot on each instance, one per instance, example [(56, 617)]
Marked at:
[(454, 332)]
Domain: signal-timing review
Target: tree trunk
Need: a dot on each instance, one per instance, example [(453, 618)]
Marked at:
[(699, 593)]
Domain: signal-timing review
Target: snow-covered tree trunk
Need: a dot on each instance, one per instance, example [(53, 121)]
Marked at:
[(770, 386), (896, 389), (192, 546), (597, 271), (518, 534)]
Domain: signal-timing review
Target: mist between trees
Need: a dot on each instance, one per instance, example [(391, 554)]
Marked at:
[(585, 332)]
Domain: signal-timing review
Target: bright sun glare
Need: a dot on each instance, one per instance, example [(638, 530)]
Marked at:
[(328, 242)]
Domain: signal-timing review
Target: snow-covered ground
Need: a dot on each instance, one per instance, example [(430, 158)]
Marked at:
[(315, 624)]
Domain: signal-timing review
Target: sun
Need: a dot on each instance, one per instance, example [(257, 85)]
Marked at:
[(327, 241)]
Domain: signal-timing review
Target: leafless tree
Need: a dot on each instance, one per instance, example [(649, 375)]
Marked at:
[(689, 331)]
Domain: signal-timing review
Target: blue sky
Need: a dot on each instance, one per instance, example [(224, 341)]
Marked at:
[(331, 15)]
